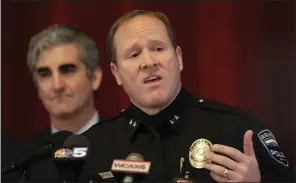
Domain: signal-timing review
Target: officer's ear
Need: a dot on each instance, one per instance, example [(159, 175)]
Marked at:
[(179, 57), (116, 73)]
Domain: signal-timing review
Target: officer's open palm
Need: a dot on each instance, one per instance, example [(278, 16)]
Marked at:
[(231, 165)]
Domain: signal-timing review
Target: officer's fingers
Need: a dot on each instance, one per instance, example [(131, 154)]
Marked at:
[(218, 169), (230, 152), (219, 178), (222, 160), (248, 144)]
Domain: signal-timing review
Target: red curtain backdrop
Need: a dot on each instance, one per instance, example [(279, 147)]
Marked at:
[(237, 52)]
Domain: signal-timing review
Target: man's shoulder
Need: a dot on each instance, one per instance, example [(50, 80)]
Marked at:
[(109, 121), (230, 114), (217, 107)]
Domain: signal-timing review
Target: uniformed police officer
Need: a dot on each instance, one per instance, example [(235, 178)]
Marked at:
[(164, 123)]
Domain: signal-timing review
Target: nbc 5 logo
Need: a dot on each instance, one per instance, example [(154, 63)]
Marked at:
[(79, 152)]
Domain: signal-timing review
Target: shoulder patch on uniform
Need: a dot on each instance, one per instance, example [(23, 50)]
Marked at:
[(269, 142)]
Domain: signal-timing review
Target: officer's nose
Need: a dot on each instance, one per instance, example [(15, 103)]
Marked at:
[(148, 60)]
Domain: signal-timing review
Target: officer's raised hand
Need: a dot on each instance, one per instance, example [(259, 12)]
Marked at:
[(231, 165)]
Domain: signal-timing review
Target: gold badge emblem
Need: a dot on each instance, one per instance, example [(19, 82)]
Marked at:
[(197, 152)]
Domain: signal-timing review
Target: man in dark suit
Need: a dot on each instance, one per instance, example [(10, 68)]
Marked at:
[(7, 142), (7, 153), (65, 67)]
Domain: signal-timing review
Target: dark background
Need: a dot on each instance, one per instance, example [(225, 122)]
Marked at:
[(238, 52)]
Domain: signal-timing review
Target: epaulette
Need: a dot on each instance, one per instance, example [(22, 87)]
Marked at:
[(122, 112), (216, 106)]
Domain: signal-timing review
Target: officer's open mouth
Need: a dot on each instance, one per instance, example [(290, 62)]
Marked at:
[(152, 79)]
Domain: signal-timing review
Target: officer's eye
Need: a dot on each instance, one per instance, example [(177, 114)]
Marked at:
[(159, 49), (134, 55)]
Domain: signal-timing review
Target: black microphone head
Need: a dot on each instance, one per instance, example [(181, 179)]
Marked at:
[(56, 140), (71, 157), (75, 147), (76, 140)]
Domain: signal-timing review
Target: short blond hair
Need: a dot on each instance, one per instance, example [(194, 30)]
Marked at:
[(161, 16)]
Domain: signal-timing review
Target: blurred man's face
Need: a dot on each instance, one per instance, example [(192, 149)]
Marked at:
[(62, 81), (148, 67)]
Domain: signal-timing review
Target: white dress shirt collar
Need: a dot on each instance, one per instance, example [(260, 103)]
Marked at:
[(88, 125)]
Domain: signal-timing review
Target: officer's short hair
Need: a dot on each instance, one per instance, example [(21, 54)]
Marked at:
[(161, 16)]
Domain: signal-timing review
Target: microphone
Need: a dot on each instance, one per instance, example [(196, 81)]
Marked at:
[(185, 178), (133, 164), (184, 172), (54, 141), (70, 159)]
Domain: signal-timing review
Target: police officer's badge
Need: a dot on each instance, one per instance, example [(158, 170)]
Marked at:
[(269, 142), (197, 152)]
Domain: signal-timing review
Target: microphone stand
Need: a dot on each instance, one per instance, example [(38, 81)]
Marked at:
[(24, 175)]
